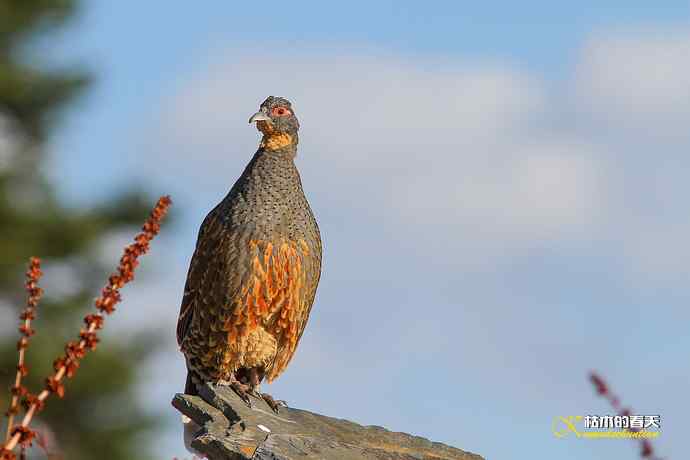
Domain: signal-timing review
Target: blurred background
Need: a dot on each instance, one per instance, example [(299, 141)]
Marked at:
[(502, 192)]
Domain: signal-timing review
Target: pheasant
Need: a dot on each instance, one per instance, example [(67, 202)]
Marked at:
[(253, 276)]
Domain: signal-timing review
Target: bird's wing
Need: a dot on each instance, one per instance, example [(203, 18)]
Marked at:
[(207, 285)]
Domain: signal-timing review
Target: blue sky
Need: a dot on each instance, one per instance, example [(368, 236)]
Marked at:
[(500, 188)]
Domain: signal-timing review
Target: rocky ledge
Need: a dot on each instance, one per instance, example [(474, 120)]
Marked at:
[(225, 428)]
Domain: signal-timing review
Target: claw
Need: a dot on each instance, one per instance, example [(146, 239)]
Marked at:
[(239, 388), (272, 403), (241, 392), (253, 392), (246, 384)]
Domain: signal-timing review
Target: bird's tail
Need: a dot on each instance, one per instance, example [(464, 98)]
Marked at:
[(190, 386)]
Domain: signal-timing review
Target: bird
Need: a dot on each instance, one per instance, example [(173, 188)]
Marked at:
[(252, 279)]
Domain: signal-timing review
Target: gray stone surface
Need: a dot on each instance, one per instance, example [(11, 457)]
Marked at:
[(230, 430)]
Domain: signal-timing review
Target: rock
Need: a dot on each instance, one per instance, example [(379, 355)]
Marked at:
[(230, 430)]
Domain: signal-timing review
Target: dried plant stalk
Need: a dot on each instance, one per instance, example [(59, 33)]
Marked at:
[(67, 364), (33, 275)]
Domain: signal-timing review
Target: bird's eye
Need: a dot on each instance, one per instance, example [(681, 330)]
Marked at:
[(280, 111)]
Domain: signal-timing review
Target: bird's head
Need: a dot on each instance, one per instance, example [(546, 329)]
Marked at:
[(277, 121)]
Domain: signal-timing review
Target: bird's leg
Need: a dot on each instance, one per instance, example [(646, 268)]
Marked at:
[(242, 390), (254, 381), (254, 378)]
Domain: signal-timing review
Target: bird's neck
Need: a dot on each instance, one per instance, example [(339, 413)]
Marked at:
[(279, 143)]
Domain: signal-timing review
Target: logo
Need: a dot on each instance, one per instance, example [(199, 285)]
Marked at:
[(607, 426)]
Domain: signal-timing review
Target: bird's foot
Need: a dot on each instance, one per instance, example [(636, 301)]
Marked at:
[(273, 403), (242, 390)]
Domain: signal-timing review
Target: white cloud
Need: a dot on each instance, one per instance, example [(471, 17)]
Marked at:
[(638, 79), (360, 109), (523, 193)]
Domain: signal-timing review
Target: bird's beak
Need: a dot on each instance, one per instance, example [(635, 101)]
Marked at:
[(259, 116)]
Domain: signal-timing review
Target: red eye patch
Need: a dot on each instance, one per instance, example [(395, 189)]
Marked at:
[(280, 112)]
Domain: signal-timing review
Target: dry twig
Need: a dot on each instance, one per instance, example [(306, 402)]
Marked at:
[(67, 364), (33, 274)]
